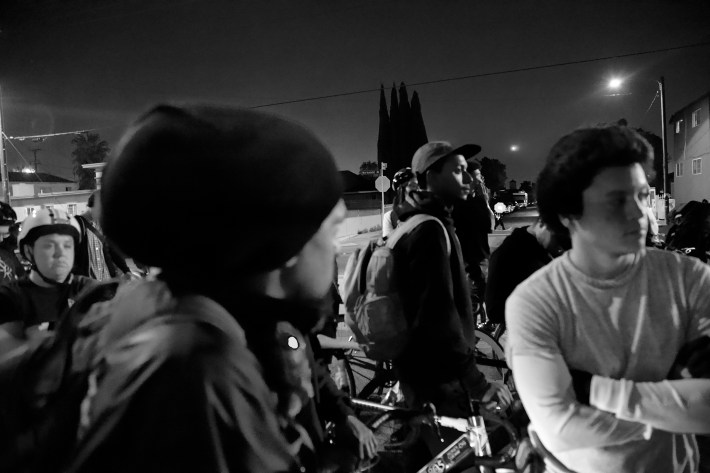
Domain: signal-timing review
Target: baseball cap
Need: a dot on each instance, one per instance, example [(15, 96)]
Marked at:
[(434, 151)]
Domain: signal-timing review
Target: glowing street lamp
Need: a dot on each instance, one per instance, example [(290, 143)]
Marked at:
[(514, 148), (615, 83)]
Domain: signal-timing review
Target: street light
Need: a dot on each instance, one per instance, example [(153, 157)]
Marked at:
[(615, 83)]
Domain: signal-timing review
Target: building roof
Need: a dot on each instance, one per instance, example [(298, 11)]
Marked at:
[(679, 113), (15, 176)]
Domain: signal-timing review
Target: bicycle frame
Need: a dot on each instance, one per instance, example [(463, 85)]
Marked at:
[(461, 448)]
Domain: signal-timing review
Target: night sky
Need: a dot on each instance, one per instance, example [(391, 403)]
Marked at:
[(73, 65)]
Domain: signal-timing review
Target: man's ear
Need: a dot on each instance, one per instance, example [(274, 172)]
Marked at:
[(431, 178), (568, 222)]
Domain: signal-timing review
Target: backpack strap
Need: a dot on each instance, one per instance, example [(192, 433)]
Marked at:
[(410, 224)]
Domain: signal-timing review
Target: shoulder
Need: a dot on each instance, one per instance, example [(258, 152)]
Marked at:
[(421, 228), (663, 260), (543, 288)]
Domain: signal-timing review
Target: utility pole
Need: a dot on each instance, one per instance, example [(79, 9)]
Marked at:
[(3, 165), (662, 90), (34, 151)]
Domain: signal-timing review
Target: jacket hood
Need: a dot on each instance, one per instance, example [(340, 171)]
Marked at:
[(425, 202)]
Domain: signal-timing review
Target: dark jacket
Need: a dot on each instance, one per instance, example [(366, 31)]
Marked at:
[(114, 260), (23, 301), (512, 262), (473, 224), (178, 390), (10, 266), (436, 300)]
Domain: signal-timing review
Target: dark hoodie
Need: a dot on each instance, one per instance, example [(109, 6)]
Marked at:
[(513, 262), (436, 300)]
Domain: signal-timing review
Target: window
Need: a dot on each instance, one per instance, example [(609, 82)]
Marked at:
[(678, 169), (30, 211), (694, 118), (698, 166), (71, 209), (677, 126)]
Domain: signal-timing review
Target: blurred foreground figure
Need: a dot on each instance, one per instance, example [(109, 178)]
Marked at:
[(608, 343), (206, 368)]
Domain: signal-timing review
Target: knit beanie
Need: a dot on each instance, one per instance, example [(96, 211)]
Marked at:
[(206, 188)]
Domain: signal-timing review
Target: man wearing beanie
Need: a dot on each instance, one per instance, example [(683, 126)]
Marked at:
[(438, 365), (210, 371)]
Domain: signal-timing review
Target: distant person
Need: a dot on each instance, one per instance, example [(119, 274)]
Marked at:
[(473, 219), (404, 181), (95, 258), (599, 337), (499, 222), (10, 266), (210, 370), (523, 252), (36, 302)]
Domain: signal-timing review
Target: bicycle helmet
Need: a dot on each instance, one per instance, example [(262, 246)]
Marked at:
[(402, 177), (46, 222), (7, 215)]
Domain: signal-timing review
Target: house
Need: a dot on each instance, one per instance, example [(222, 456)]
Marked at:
[(24, 184), (690, 155), (30, 192)]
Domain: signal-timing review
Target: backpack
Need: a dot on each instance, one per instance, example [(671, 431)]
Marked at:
[(42, 384), (693, 234), (373, 309)]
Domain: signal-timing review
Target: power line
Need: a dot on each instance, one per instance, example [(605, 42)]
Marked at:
[(49, 135), (489, 74)]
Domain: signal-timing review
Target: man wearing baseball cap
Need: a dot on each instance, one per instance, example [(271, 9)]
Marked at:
[(438, 365)]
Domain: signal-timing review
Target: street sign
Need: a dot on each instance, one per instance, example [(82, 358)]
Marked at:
[(382, 184)]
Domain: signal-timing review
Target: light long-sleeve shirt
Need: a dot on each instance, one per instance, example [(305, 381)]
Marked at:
[(626, 331)]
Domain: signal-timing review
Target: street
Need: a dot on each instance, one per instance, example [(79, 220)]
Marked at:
[(512, 220)]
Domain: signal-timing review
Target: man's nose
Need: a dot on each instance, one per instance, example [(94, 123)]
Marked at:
[(636, 209), (467, 178)]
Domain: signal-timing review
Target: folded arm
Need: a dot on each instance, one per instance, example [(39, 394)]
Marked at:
[(544, 384), (679, 406)]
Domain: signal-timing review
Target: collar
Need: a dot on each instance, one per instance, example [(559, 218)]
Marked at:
[(428, 203)]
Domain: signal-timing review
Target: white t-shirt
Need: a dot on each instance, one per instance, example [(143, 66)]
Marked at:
[(627, 331)]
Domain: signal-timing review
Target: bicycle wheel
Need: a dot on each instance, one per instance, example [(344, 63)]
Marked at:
[(490, 358), (372, 379)]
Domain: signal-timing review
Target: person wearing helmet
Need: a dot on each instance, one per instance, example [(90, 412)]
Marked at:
[(37, 301), (404, 181), (10, 266), (197, 378)]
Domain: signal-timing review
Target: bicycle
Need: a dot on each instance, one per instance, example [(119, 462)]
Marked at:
[(376, 380), (490, 358), (397, 429)]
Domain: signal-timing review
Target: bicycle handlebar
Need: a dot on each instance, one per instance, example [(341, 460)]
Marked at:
[(422, 416)]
